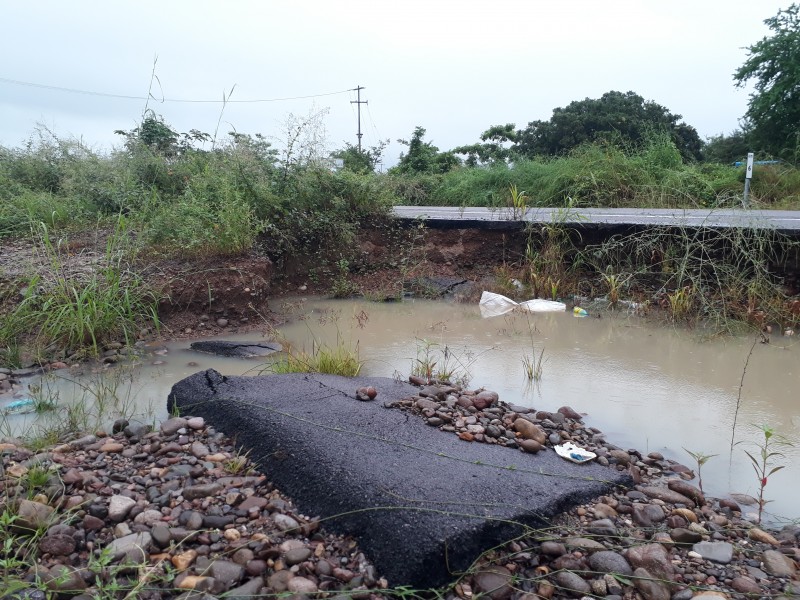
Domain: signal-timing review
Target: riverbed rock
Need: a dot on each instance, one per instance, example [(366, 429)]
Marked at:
[(133, 548), (57, 545), (495, 582), (63, 579), (762, 536), (607, 561), (720, 552), (119, 507), (687, 489), (666, 495), (572, 583), (654, 558), (530, 431), (33, 515), (777, 564), (649, 587)]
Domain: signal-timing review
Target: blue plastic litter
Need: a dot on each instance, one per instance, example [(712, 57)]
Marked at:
[(18, 407)]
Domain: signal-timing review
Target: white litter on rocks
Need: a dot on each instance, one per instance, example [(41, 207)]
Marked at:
[(574, 453)]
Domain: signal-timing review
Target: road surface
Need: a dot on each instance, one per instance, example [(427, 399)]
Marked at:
[(780, 220)]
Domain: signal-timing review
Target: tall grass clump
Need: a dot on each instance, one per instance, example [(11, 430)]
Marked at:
[(342, 357), (338, 359), (79, 307)]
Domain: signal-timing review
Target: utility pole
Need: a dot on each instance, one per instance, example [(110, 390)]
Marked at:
[(359, 102), (748, 175)]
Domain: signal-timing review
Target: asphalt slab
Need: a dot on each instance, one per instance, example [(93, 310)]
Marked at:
[(422, 503)]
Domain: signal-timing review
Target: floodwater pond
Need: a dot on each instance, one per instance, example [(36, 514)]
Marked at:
[(646, 386)]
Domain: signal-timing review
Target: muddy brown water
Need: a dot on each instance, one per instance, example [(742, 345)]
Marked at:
[(646, 386)]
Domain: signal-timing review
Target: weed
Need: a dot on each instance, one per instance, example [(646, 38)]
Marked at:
[(763, 463), (342, 287), (507, 283), (340, 359), (437, 362), (614, 283), (533, 365), (723, 276), (680, 303), (239, 464), (552, 286), (519, 202), (80, 311), (701, 459)]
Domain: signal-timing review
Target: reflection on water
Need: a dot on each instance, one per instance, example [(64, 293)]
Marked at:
[(645, 386)]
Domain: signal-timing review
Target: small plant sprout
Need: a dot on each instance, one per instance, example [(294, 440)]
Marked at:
[(700, 458), (764, 462), (553, 284), (614, 282), (239, 463)]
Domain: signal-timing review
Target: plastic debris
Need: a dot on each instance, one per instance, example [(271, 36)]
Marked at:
[(579, 312), (18, 407), (494, 305), (574, 453)]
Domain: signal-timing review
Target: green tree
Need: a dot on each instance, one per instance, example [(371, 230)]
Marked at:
[(162, 139), (774, 65), (424, 157), (617, 117), (726, 149), (497, 146), (361, 161)]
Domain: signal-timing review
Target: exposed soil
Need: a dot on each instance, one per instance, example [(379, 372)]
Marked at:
[(217, 295), (211, 296)]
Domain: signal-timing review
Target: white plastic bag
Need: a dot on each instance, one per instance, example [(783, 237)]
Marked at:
[(494, 305), (539, 305)]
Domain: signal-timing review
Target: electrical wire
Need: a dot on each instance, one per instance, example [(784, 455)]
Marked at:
[(176, 100)]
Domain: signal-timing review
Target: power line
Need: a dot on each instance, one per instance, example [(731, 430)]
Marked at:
[(177, 100)]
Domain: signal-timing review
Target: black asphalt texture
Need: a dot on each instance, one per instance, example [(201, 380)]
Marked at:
[(422, 503), (236, 349)]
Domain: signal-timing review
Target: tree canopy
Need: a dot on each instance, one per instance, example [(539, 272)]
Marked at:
[(160, 137), (497, 145), (617, 117), (773, 64), (361, 161), (424, 157)]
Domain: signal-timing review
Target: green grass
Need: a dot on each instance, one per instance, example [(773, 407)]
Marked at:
[(341, 359), (80, 310), (607, 176)]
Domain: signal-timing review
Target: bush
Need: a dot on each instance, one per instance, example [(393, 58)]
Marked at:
[(81, 310), (19, 212), (196, 225)]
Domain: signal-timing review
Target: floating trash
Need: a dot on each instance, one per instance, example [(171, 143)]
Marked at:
[(494, 305), (579, 312), (18, 407), (574, 453)]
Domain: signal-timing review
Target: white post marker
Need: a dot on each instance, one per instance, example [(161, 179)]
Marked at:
[(748, 175)]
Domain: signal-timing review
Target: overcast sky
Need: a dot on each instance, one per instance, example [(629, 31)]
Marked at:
[(453, 67)]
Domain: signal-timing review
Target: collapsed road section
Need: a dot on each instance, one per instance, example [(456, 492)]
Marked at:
[(422, 504)]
